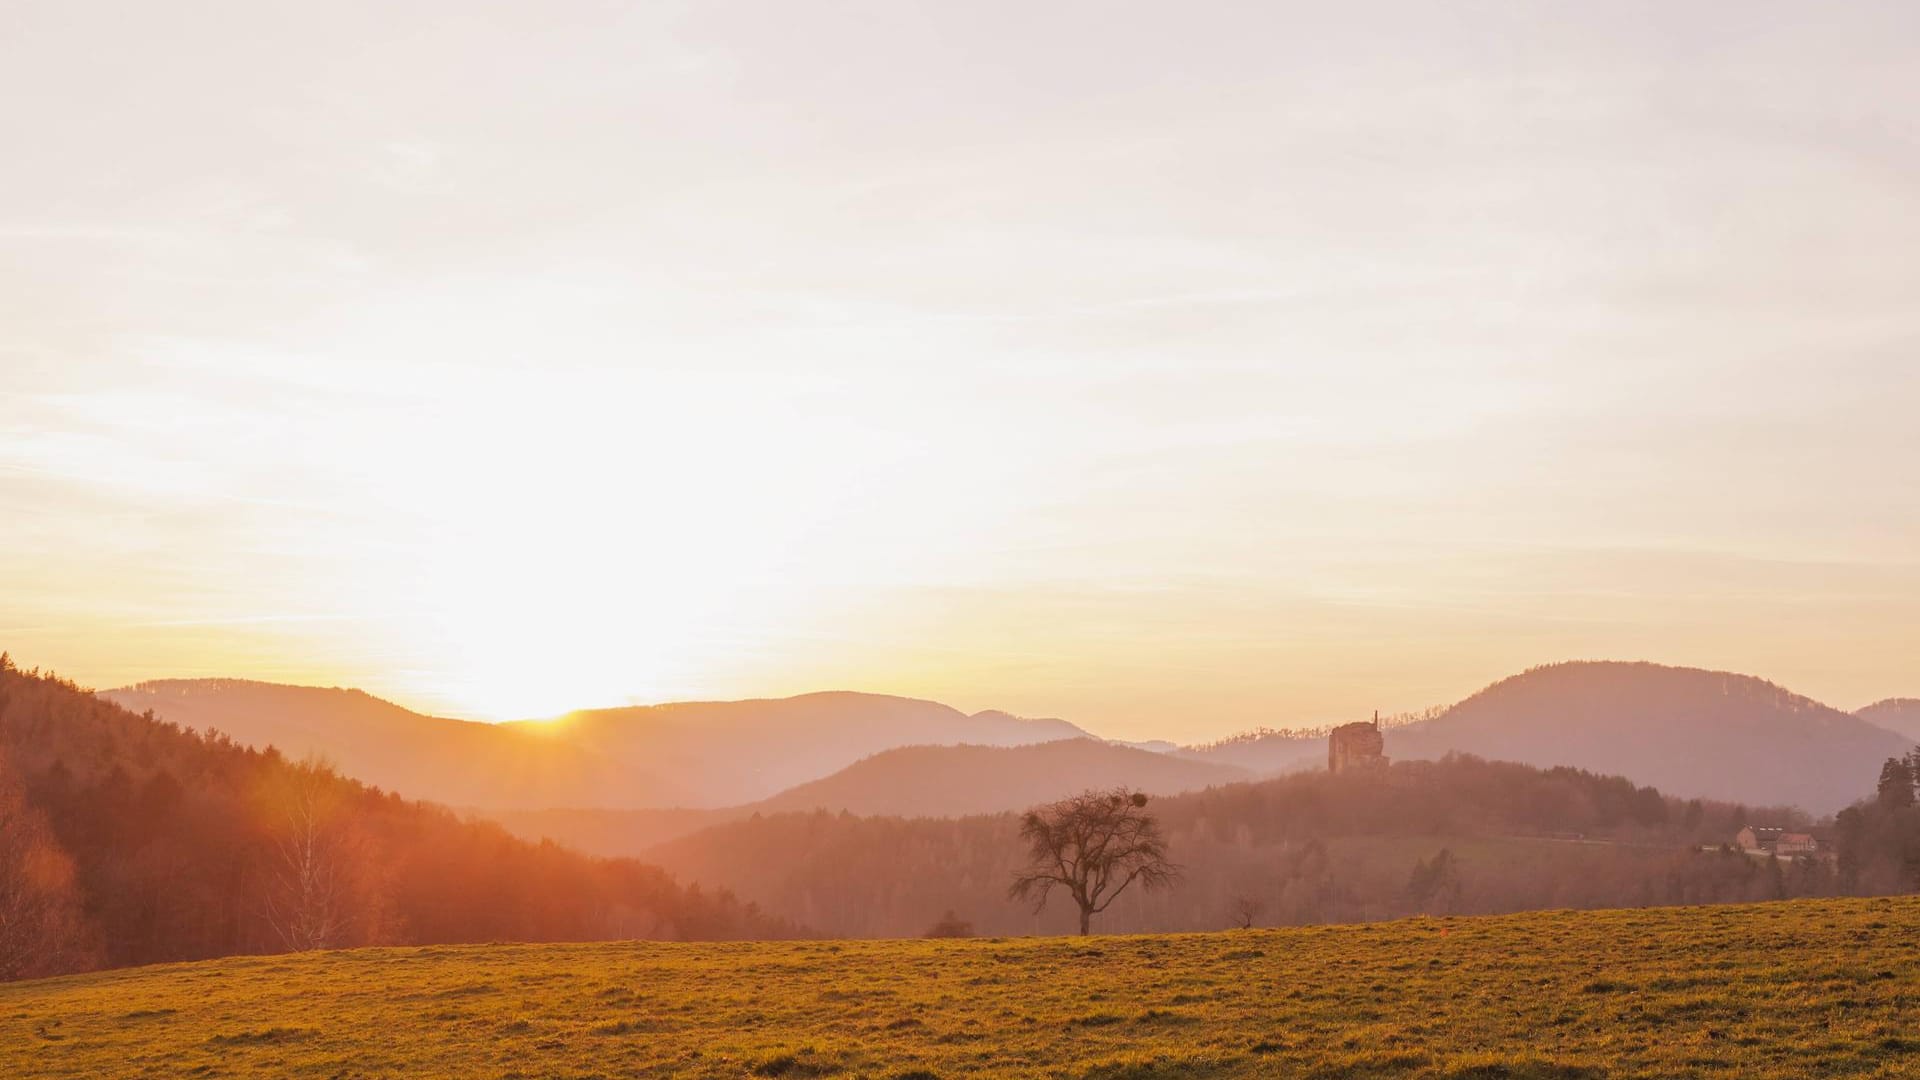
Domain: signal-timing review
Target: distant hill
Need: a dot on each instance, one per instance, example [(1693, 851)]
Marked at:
[(1278, 751), (1898, 715), (913, 781), (743, 751), (1264, 751), (456, 762), (949, 781), (691, 754), (1683, 730), (1158, 746)]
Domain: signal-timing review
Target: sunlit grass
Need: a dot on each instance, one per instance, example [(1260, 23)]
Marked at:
[(1800, 989)]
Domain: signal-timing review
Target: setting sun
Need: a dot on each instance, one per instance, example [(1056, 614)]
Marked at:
[(1145, 399)]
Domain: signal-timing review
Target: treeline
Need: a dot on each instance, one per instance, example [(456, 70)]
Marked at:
[(1460, 836), (127, 840), (1879, 838)]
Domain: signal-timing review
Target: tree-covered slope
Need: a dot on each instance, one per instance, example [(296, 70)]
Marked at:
[(151, 843)]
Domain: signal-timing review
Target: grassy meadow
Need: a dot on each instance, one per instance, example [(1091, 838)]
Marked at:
[(1794, 989)]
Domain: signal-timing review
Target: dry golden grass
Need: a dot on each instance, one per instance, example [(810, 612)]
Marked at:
[(1799, 989)]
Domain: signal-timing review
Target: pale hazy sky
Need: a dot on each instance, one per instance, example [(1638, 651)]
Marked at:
[(1172, 368)]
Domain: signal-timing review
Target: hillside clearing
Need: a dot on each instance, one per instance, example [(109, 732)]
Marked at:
[(1795, 989)]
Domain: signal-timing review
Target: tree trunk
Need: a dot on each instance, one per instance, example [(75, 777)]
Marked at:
[(1085, 918)]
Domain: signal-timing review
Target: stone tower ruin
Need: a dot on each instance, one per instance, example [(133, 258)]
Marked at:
[(1358, 745)]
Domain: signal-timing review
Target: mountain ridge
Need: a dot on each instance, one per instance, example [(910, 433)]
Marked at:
[(1899, 715), (704, 754), (1692, 731), (904, 782)]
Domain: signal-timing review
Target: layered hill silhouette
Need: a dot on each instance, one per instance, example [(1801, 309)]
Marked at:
[(457, 762), (740, 751), (1898, 715), (170, 834), (951, 781), (1685, 730), (1265, 752), (1688, 731), (910, 782), (687, 754), (1713, 734)]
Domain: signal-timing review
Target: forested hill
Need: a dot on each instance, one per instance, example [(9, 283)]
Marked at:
[(949, 781), (127, 840), (1687, 731), (1898, 715), (913, 781), (1709, 733), (1305, 848)]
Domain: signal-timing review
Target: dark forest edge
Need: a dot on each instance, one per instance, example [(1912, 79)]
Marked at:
[(1459, 836), (127, 840)]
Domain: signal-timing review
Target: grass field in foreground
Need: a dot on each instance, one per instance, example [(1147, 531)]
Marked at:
[(1798, 989)]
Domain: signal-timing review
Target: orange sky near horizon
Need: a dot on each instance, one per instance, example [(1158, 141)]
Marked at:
[(1173, 372)]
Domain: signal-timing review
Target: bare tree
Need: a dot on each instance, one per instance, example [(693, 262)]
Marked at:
[(1434, 886), (1244, 908), (306, 897), (41, 928), (1094, 845)]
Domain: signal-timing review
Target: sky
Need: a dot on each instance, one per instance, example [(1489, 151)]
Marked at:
[(1171, 368)]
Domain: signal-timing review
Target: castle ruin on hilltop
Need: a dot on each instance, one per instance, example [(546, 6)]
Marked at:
[(1358, 745)]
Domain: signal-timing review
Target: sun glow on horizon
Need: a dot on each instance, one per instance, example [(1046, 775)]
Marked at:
[(1203, 379)]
